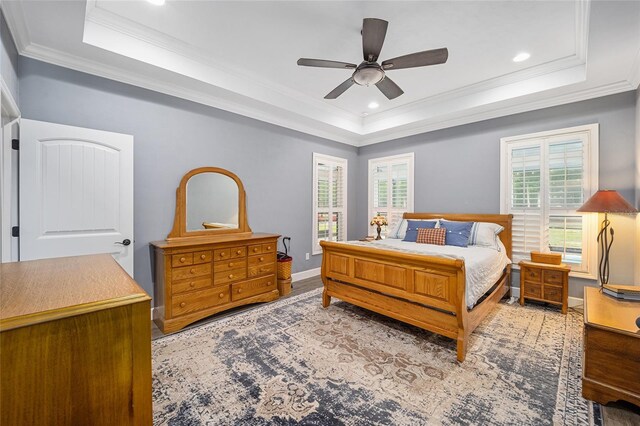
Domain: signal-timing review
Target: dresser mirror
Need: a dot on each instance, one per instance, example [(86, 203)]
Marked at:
[(209, 201)]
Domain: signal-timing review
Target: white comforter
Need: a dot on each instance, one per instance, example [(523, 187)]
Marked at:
[(483, 266)]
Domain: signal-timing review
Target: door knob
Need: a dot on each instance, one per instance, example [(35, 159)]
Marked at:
[(124, 242)]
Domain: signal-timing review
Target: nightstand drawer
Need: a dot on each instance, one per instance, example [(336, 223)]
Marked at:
[(532, 274), (553, 293), (553, 277), (532, 290)]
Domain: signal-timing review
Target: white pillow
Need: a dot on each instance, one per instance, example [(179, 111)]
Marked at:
[(485, 234)]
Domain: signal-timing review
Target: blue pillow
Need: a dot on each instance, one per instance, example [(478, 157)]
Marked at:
[(412, 228), (457, 233)]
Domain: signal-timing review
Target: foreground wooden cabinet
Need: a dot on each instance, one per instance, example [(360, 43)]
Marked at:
[(611, 367), (198, 277), (75, 344)]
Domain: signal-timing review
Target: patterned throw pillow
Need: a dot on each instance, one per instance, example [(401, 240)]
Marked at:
[(431, 236)]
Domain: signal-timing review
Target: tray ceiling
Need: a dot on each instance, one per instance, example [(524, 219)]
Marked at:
[(241, 56)]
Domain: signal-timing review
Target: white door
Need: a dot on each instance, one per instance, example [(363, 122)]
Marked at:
[(76, 192)]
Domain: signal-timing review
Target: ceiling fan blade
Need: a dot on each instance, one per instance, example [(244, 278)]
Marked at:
[(373, 33), (306, 62), (340, 89), (389, 88), (419, 59)]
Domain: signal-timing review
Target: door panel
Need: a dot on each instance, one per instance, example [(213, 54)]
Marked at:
[(76, 192)]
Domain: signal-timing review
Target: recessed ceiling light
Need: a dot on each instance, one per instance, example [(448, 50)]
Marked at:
[(373, 105), (523, 56), (156, 2)]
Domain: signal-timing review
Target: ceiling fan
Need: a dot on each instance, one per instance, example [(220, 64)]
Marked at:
[(369, 71)]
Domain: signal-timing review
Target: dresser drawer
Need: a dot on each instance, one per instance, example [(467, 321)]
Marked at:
[(237, 252), (256, 271), (532, 290), (251, 288), (229, 265), (187, 303), (189, 285), (553, 277), (190, 271), (221, 254), (533, 274), (269, 247), (255, 249), (262, 259), (229, 276), (183, 259), (553, 293), (202, 257)]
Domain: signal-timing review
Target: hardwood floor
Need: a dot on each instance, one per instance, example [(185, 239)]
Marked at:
[(614, 414), (297, 288)]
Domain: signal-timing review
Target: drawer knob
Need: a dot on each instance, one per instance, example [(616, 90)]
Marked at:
[(255, 249), (269, 283), (268, 247), (221, 295), (239, 290), (230, 276), (182, 260), (193, 271), (261, 259), (230, 264), (239, 252), (223, 254), (203, 257), (183, 304), (192, 284)]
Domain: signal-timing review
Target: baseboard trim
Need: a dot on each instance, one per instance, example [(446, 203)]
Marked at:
[(572, 302), (309, 273)]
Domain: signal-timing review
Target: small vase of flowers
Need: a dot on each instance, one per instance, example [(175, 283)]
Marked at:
[(379, 221)]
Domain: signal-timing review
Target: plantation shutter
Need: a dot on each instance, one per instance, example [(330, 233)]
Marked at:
[(547, 177), (390, 188), (330, 200), (525, 201)]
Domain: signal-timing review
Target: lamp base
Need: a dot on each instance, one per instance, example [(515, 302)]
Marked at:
[(379, 230)]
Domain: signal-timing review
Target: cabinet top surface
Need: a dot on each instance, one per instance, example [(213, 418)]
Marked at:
[(606, 312), (225, 238), (560, 267), (39, 290)]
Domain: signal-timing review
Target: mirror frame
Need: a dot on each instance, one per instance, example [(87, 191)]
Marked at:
[(179, 230)]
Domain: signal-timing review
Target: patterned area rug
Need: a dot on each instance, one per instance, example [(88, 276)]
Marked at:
[(293, 362)]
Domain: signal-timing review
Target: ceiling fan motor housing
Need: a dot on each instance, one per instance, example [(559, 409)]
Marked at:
[(368, 73)]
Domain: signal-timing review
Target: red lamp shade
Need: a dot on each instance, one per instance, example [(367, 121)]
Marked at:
[(607, 201)]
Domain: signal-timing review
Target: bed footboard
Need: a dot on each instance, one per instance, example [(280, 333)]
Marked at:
[(428, 292)]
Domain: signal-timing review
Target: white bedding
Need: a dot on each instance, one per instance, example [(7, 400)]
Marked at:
[(483, 266)]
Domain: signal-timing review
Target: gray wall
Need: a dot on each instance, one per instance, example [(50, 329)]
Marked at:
[(173, 136), (8, 59), (457, 170)]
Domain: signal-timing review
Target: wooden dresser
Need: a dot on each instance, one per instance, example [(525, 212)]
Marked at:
[(75, 338), (198, 277), (611, 367)]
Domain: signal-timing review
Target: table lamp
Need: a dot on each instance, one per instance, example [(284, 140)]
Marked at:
[(606, 201), (379, 221)]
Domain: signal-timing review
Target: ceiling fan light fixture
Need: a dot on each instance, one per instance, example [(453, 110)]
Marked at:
[(521, 57), (368, 75)]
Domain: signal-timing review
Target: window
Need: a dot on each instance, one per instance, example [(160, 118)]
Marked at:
[(329, 200), (545, 177), (390, 188)]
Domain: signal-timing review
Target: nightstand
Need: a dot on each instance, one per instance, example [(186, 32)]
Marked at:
[(545, 283)]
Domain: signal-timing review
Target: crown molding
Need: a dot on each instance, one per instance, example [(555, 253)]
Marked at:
[(7, 101), (14, 16)]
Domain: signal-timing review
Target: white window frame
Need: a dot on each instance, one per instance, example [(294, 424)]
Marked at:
[(590, 221), (333, 161), (389, 161)]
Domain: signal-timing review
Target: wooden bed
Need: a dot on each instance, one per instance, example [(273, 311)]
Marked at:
[(426, 291)]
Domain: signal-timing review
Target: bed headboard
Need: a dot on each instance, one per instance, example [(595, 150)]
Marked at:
[(501, 219)]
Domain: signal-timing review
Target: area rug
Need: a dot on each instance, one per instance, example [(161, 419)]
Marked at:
[(293, 362)]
